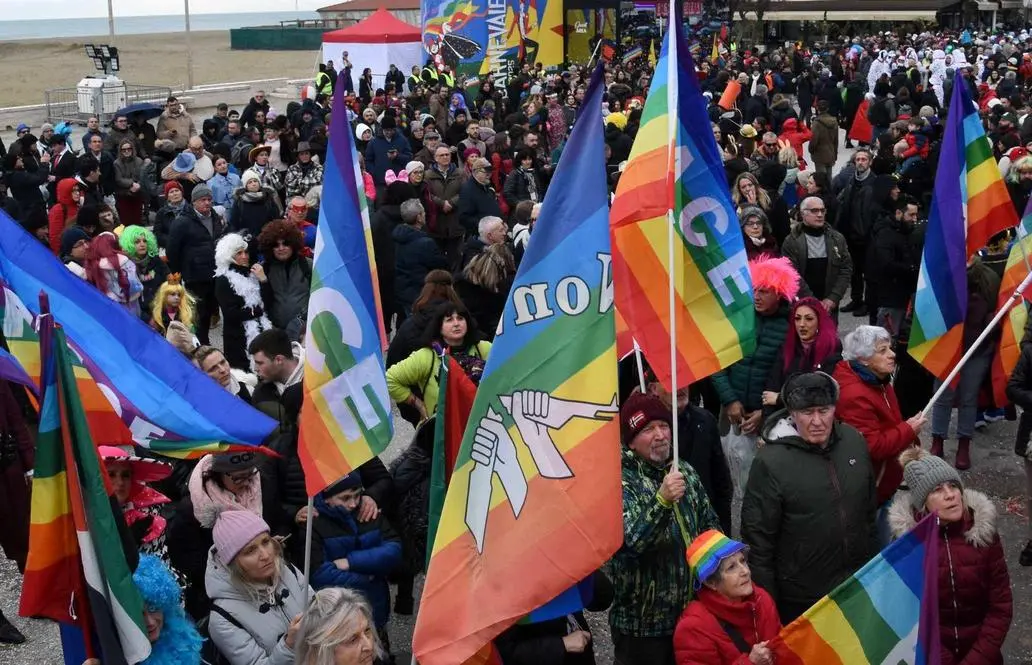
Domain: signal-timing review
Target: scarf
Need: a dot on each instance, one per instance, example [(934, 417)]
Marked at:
[(471, 363), (246, 285), (867, 376), (253, 197)]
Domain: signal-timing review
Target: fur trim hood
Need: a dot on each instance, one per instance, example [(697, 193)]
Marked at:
[(981, 508), (209, 499)]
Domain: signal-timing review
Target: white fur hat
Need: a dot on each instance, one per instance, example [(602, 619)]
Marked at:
[(227, 246)]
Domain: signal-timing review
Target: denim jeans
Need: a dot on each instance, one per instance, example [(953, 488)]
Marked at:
[(971, 377)]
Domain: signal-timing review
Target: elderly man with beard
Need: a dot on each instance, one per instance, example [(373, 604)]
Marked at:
[(808, 515), (650, 575)]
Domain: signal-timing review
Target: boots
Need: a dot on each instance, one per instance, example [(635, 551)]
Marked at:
[(8, 633), (937, 446), (963, 454)]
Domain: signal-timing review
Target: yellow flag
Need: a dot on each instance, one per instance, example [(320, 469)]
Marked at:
[(652, 54), (715, 55)]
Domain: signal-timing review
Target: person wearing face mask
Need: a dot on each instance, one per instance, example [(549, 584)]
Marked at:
[(731, 619), (757, 233), (975, 598), (808, 515), (649, 570)]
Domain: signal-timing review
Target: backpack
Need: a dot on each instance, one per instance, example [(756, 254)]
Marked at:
[(878, 114), (239, 151)]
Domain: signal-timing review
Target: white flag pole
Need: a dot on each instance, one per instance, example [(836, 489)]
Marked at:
[(1014, 299), (309, 519), (674, 170)]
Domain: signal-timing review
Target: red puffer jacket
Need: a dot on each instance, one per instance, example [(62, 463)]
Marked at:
[(699, 638), (874, 411), (975, 606)]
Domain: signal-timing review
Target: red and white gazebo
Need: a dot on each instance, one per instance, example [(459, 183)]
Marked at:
[(376, 42)]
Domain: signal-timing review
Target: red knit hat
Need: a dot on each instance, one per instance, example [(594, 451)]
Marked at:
[(170, 185), (637, 412)]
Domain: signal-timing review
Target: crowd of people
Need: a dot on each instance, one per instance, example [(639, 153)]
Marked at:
[(205, 226)]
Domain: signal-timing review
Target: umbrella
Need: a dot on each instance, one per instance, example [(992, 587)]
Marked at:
[(147, 110)]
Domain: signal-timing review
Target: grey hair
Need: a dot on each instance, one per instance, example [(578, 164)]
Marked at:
[(486, 223), (410, 211), (330, 620), (859, 344)]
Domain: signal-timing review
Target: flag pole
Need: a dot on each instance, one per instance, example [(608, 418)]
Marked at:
[(674, 162), (309, 519), (1014, 299), (640, 365)]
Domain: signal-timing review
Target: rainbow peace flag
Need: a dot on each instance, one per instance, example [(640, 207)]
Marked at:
[(714, 317), (970, 201), (135, 386), (346, 415), (77, 570), (1012, 328), (887, 612), (534, 502)]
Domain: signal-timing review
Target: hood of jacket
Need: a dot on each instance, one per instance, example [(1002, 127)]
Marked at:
[(790, 125), (64, 191), (826, 120), (978, 526), (781, 430), (405, 234)]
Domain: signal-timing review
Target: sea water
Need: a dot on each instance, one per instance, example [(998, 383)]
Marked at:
[(136, 25)]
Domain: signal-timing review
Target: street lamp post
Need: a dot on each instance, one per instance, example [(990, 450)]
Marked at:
[(189, 47), (111, 18)]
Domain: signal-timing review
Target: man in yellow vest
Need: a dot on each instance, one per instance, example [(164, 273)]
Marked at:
[(323, 82)]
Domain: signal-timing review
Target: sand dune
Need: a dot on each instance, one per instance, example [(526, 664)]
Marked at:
[(28, 68)]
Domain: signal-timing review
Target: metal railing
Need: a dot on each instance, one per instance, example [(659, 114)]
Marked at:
[(76, 105)]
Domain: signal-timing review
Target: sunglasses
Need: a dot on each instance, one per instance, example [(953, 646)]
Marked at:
[(241, 477)]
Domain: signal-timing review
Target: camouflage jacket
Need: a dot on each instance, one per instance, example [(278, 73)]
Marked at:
[(650, 576)]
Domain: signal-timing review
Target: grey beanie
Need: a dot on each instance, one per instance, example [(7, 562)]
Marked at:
[(200, 191), (753, 211), (809, 389), (923, 472)]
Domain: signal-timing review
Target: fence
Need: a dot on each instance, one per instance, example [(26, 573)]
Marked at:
[(102, 98)]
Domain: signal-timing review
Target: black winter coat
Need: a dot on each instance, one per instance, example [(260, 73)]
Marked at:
[(235, 314), (485, 307), (163, 223), (23, 186), (250, 217), (808, 513), (386, 219), (700, 446), (755, 107), (893, 261), (1019, 392), (517, 187), (191, 249), (476, 201), (289, 285), (416, 254)]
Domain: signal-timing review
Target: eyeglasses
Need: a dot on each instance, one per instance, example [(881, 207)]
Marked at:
[(241, 477), (753, 222), (816, 211)]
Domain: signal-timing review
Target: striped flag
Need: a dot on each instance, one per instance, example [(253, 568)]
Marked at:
[(534, 502), (76, 570), (969, 201), (1012, 328), (887, 612), (715, 320), (135, 386), (346, 415)]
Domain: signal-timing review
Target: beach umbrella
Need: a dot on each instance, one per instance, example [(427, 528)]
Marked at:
[(148, 110)]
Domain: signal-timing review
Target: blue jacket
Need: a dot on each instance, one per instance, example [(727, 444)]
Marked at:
[(376, 158), (373, 551), (222, 188)]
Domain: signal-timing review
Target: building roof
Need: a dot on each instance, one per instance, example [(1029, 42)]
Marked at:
[(369, 5)]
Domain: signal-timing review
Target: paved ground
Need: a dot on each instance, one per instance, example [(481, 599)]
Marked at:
[(996, 471)]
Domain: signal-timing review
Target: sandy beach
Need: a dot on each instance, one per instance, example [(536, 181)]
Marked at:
[(28, 68)]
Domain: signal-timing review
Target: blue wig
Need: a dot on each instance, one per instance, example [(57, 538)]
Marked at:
[(179, 642)]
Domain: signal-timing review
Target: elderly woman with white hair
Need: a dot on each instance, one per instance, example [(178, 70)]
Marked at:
[(238, 292), (337, 629), (868, 403)]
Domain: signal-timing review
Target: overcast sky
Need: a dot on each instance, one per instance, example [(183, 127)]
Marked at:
[(11, 10)]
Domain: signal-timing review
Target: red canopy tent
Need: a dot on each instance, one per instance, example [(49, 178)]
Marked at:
[(376, 42)]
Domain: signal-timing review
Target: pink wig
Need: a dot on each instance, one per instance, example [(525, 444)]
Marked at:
[(777, 274), (824, 345)]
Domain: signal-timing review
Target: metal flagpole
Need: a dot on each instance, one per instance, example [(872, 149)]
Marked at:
[(674, 162), (595, 52), (189, 46), (309, 519), (1014, 299), (641, 367), (110, 18)]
